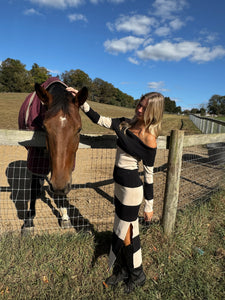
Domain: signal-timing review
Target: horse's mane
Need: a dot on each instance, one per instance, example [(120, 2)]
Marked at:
[(60, 99)]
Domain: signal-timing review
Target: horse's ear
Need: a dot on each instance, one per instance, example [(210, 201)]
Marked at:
[(81, 96), (42, 94)]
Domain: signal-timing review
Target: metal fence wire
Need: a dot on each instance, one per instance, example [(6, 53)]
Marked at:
[(203, 170), (90, 202)]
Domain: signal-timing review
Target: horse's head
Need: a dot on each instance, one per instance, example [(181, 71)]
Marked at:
[(62, 124)]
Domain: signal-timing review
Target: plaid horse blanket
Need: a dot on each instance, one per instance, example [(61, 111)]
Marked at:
[(31, 116)]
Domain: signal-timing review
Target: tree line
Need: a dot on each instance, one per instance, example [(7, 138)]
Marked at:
[(216, 105), (14, 77)]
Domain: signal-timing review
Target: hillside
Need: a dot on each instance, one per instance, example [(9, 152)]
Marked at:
[(10, 104)]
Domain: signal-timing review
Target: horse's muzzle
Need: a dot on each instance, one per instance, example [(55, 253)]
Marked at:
[(60, 192)]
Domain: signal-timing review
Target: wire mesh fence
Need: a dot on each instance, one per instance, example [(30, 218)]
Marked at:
[(203, 172), (90, 202)]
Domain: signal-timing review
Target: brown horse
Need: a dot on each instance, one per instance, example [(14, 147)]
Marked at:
[(62, 123)]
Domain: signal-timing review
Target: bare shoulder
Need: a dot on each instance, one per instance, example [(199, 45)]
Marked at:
[(150, 140)]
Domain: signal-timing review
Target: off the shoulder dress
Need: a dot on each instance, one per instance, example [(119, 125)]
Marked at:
[(129, 189)]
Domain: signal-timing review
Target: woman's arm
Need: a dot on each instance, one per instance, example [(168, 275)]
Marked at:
[(148, 192), (95, 117)]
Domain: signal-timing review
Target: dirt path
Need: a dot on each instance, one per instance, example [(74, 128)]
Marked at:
[(90, 202)]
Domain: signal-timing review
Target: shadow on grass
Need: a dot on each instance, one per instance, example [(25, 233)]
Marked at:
[(102, 242)]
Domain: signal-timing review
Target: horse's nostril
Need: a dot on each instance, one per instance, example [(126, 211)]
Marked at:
[(67, 188), (59, 189), (61, 192)]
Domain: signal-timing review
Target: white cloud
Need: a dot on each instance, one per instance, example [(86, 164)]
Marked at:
[(59, 3), (31, 11), (147, 42), (203, 54), (177, 100), (162, 31), (157, 86), (164, 51), (54, 71), (133, 60), (137, 24), (167, 29), (123, 45), (111, 1), (167, 8), (77, 17), (70, 3), (208, 37), (167, 51), (176, 24), (116, 1)]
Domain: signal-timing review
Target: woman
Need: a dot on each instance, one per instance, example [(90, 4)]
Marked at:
[(136, 141)]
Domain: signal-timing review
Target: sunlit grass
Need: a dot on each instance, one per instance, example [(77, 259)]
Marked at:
[(10, 104), (221, 118), (61, 266)]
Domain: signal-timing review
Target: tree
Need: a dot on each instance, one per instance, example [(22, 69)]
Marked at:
[(178, 110), (124, 99), (186, 112), (14, 77), (39, 74), (194, 110), (170, 105), (76, 79), (97, 89), (202, 111), (105, 92), (102, 91), (214, 104), (222, 105)]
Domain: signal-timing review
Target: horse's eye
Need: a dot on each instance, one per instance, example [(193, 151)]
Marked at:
[(79, 130)]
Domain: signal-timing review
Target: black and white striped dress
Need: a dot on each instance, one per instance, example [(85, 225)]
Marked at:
[(129, 188)]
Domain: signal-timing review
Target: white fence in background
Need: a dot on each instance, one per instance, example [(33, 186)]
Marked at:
[(208, 125)]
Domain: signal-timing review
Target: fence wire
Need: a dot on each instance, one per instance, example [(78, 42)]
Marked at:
[(203, 172), (90, 202)]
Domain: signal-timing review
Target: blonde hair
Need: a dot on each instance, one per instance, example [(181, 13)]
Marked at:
[(153, 113)]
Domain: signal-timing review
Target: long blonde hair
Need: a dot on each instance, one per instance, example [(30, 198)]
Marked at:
[(153, 114)]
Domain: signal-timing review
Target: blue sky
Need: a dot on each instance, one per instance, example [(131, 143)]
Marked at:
[(176, 47)]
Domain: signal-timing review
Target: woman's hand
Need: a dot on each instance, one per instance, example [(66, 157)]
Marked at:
[(72, 91), (148, 216)]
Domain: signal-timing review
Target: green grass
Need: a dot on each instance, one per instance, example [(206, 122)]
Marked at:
[(221, 118), (10, 104), (61, 266)]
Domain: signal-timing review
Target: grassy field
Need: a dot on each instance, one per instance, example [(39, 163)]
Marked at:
[(221, 118), (73, 266), (10, 104)]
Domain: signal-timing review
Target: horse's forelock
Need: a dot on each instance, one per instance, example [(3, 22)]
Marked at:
[(60, 99)]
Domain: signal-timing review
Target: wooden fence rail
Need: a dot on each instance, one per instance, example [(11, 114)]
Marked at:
[(175, 143)]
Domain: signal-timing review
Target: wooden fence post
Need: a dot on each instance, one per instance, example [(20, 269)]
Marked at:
[(172, 180)]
